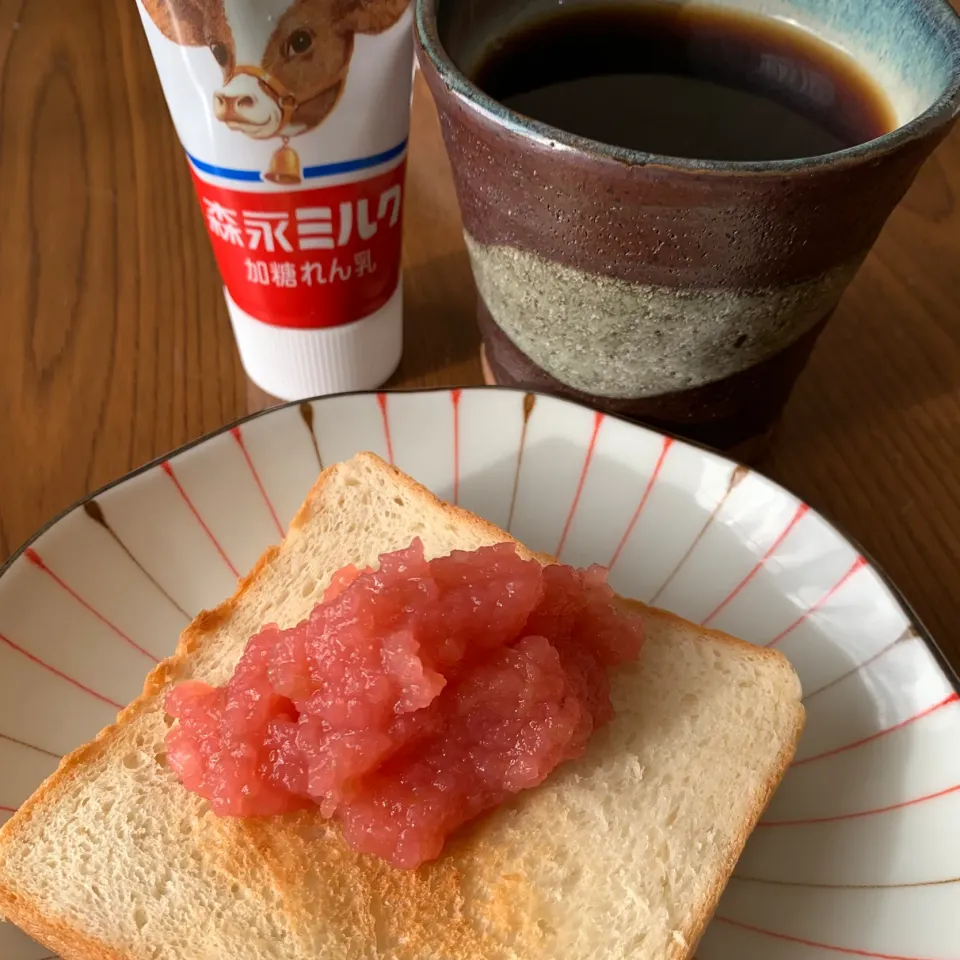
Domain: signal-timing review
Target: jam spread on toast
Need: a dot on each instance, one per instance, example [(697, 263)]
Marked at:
[(413, 698)]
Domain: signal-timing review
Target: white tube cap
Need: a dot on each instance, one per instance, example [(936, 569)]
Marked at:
[(293, 364)]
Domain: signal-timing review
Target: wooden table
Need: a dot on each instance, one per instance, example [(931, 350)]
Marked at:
[(116, 345)]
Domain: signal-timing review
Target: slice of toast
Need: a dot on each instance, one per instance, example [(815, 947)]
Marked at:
[(622, 854)]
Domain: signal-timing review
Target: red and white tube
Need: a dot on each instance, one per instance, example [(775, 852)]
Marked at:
[(294, 115)]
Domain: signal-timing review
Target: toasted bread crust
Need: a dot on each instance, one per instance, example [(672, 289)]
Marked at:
[(438, 884), (693, 933)]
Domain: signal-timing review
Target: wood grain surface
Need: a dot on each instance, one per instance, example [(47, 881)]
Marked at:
[(116, 345)]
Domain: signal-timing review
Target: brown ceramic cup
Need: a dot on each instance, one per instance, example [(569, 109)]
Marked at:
[(681, 293)]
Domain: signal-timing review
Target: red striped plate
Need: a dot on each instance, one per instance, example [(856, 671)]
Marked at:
[(859, 853)]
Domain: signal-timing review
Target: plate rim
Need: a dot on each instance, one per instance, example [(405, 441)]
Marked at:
[(952, 674)]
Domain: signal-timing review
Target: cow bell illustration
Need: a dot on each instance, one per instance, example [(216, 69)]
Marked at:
[(285, 167)]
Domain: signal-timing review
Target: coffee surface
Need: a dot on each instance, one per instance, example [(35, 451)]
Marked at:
[(686, 81)]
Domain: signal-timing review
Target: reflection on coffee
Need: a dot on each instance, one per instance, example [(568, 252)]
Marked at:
[(686, 81)]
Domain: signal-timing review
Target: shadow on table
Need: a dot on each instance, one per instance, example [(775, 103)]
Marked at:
[(440, 328)]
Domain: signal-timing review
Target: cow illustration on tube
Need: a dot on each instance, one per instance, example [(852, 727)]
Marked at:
[(284, 62)]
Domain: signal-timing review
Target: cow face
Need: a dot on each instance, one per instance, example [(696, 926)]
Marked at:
[(284, 62)]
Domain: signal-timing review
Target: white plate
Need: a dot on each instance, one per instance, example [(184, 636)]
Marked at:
[(859, 853)]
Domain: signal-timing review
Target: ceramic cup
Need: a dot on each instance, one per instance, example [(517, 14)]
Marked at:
[(686, 294)]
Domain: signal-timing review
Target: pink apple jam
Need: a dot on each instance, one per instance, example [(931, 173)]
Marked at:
[(412, 699)]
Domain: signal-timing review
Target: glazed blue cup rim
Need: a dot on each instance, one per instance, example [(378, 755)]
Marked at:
[(943, 18)]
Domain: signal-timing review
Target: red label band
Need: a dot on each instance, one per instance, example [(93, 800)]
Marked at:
[(310, 258)]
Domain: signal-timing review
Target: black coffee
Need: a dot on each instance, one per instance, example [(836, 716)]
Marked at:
[(686, 81)]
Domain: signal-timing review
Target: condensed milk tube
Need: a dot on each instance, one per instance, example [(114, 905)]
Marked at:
[(294, 115)]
